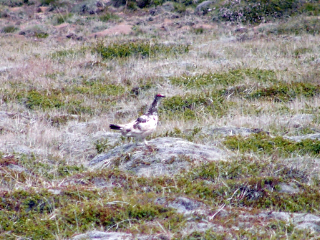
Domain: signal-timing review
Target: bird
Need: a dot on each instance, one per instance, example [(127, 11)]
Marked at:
[(144, 125)]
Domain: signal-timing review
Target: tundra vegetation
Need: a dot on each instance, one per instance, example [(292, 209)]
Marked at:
[(69, 68)]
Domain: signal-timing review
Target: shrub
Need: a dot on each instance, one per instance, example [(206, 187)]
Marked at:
[(257, 11), (297, 26), (108, 16), (9, 29), (13, 3)]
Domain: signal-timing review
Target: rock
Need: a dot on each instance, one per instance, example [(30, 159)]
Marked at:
[(283, 216), (168, 6), (203, 8), (164, 156), (310, 226), (5, 68), (315, 136), (184, 205), (17, 168), (98, 235), (300, 119), (89, 6), (55, 191), (300, 220), (230, 131), (288, 188), (306, 221)]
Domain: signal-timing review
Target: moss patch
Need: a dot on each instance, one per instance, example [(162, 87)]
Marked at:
[(186, 107), (226, 78), (264, 144), (140, 49), (286, 92)]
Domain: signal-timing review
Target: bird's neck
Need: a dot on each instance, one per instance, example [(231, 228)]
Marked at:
[(153, 110)]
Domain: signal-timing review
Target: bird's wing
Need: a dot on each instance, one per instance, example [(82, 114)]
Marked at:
[(142, 119)]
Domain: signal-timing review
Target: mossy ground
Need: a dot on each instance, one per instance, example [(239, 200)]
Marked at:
[(58, 88), (128, 202)]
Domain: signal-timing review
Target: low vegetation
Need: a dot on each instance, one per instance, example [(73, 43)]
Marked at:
[(139, 49), (263, 143)]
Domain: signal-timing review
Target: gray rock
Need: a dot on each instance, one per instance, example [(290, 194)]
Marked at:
[(310, 226), (300, 220), (283, 216), (168, 6), (201, 227), (314, 136), (184, 205), (164, 156), (5, 68), (89, 6), (230, 131), (54, 191), (98, 235), (307, 221), (303, 217), (288, 188), (17, 168)]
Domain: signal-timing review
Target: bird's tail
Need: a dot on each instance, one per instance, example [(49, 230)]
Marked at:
[(115, 127)]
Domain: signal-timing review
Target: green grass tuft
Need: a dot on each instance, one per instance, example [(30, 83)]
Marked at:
[(226, 78), (264, 144), (186, 107), (286, 92), (140, 49)]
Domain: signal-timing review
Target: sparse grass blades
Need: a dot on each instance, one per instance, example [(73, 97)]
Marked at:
[(68, 53), (59, 19), (264, 144), (139, 48), (225, 78)]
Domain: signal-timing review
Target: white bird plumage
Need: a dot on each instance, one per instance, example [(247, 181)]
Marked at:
[(144, 125)]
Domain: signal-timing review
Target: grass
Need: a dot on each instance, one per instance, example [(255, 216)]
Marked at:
[(286, 92), (187, 107), (9, 29), (264, 144), (77, 208), (108, 17), (225, 79), (140, 49)]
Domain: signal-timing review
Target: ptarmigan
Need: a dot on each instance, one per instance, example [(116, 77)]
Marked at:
[(144, 125)]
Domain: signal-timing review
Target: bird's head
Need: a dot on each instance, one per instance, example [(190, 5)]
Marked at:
[(159, 96)]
